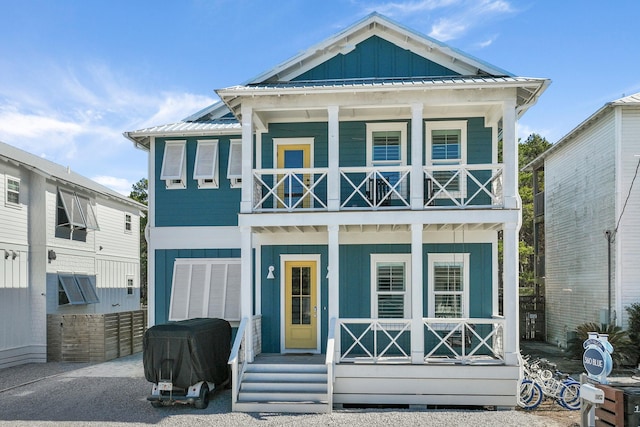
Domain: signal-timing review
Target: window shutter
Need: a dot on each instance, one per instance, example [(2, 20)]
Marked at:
[(234, 169), (91, 223), (197, 291), (232, 302), (206, 160), (71, 208), (87, 287), (217, 290), (173, 160), (70, 286), (180, 291)]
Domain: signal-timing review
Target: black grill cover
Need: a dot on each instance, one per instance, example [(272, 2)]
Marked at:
[(187, 352)]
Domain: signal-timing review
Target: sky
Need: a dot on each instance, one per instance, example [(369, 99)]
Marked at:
[(76, 74)]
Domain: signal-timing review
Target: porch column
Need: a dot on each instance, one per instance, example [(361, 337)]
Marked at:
[(510, 292), (246, 288), (417, 149), (417, 327), (333, 179), (247, 160), (334, 272), (510, 155)]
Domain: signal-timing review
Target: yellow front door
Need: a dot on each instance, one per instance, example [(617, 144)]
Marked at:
[(294, 156), (301, 307)]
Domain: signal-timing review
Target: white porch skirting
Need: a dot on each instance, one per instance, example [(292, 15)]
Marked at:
[(21, 355)]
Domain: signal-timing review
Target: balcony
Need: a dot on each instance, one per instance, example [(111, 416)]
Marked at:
[(477, 186)]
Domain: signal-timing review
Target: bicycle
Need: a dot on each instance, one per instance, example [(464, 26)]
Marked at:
[(542, 379)]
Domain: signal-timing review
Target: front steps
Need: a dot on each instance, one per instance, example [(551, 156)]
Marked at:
[(294, 388)]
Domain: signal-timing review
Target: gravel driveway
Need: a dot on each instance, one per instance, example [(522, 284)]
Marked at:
[(114, 394)]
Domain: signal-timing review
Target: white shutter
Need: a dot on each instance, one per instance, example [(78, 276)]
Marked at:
[(234, 169), (197, 291), (72, 208), (206, 160), (180, 291), (232, 301), (217, 291), (173, 160)]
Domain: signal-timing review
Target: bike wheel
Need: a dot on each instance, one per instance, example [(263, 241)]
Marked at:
[(530, 395), (570, 395)]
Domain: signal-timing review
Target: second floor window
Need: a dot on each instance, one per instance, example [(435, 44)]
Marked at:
[(447, 146), (174, 165), (74, 216), (205, 170), (13, 191)]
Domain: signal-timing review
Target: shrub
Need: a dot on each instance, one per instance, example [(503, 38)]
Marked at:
[(634, 328), (624, 351)]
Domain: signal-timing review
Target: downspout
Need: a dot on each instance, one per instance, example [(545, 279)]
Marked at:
[(609, 235)]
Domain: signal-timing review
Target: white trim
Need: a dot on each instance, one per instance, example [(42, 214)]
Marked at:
[(449, 257), (390, 258), (177, 179), (210, 177), (293, 141), (391, 127), (194, 237), (7, 191), (453, 125), (281, 274)]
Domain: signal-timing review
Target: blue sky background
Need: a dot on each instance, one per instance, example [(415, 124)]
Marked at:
[(75, 74)]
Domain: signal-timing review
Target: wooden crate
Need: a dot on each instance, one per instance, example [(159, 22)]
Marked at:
[(611, 412), (94, 337)]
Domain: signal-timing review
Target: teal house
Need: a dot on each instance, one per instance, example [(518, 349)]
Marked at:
[(343, 211)]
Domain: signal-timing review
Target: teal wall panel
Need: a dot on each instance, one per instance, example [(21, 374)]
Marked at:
[(319, 131), (375, 58), (164, 260), (191, 206), (271, 293)]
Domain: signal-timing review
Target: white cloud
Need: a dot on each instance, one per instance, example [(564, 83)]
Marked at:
[(410, 7), (121, 185)]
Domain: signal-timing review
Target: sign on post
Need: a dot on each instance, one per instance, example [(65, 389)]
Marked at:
[(597, 357)]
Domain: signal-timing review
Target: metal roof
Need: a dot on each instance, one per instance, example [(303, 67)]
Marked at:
[(219, 126), (61, 173), (627, 101)]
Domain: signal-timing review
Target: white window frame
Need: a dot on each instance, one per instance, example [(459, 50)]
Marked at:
[(384, 127), (205, 168), (454, 125), (386, 259), (130, 286), (434, 258), (10, 191), (175, 179), (128, 223), (235, 159), (191, 273)]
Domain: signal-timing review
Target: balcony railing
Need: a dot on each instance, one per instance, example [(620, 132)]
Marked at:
[(377, 188), (457, 341)]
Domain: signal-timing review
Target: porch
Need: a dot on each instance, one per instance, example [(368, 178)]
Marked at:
[(378, 188), (368, 361)]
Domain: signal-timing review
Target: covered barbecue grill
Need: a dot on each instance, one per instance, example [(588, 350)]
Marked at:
[(185, 360)]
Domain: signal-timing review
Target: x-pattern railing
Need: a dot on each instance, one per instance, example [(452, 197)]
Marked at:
[(374, 330), (377, 188), (459, 177), (280, 193), (462, 339)]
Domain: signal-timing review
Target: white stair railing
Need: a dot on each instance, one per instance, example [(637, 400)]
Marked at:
[(237, 360)]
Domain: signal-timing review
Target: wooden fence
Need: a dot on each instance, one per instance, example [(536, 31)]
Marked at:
[(94, 337)]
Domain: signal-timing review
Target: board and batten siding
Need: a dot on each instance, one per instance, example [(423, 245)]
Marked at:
[(628, 238), (579, 199)]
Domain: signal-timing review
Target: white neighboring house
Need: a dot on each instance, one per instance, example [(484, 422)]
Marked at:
[(591, 192), (67, 246)]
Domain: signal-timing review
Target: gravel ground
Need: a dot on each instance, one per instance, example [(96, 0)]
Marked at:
[(114, 394)]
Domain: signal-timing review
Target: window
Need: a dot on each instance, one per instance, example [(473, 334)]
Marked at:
[(386, 146), (205, 170), (74, 216), (174, 165), (13, 192), (205, 287), (76, 289), (449, 285), (127, 223), (447, 143), (234, 169), (129, 285), (391, 286)]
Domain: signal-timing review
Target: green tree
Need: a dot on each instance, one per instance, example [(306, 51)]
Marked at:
[(139, 193), (528, 150)]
